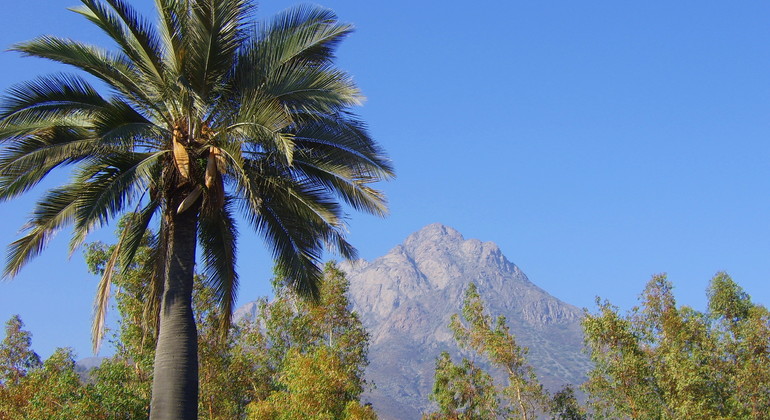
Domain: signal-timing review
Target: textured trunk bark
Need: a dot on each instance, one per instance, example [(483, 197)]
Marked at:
[(175, 380)]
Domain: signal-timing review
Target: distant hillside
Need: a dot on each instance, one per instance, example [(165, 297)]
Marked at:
[(406, 298)]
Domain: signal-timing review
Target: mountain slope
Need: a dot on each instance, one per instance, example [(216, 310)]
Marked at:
[(406, 298)]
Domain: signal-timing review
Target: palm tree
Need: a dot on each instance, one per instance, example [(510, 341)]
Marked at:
[(208, 115)]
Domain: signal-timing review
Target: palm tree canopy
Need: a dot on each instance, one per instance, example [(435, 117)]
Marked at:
[(205, 112)]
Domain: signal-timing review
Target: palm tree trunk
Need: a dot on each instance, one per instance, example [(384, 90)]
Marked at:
[(175, 380)]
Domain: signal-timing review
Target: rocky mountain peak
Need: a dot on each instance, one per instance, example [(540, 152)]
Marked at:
[(407, 297)]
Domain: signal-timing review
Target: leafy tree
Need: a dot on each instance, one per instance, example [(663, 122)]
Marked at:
[(565, 405), (667, 362), (296, 334), (524, 393), (462, 391), (293, 323), (16, 355), (207, 114), (51, 390), (314, 384), (16, 361)]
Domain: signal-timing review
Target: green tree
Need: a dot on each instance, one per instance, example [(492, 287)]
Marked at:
[(565, 405), (667, 362), (207, 115), (462, 391), (296, 333), (313, 384), (524, 393), (16, 355), (51, 390), (16, 361)]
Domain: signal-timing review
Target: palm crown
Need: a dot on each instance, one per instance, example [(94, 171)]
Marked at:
[(207, 115)]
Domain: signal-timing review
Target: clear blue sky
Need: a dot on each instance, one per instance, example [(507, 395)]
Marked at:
[(597, 142)]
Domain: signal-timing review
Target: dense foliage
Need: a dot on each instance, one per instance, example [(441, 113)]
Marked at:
[(296, 360), (466, 391), (666, 362)]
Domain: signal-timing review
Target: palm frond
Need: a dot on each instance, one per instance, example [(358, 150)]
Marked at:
[(135, 231), (134, 35), (119, 124), (217, 235), (108, 186), (172, 26), (313, 90), (49, 100), (344, 182), (295, 247), (123, 253), (342, 139), (102, 298), (116, 70), (54, 211), (216, 31), (26, 161), (304, 33)]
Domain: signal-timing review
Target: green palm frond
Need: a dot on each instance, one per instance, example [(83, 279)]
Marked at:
[(134, 36), (217, 236), (304, 33), (261, 124), (109, 184), (57, 99), (118, 124), (295, 246), (116, 70), (343, 140), (55, 210), (26, 161), (135, 231), (216, 32), (174, 19), (342, 182)]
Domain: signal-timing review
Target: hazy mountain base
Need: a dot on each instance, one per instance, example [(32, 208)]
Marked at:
[(406, 298)]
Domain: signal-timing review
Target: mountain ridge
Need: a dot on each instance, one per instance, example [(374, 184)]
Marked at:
[(405, 300)]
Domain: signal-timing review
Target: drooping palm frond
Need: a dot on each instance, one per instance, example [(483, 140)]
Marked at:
[(109, 185), (50, 100), (54, 211), (25, 162), (134, 231), (217, 236)]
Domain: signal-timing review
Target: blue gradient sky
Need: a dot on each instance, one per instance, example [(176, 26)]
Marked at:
[(597, 142)]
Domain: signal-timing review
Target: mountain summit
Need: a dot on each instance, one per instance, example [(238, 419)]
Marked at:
[(407, 297)]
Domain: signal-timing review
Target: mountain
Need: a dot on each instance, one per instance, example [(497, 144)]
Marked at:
[(406, 298)]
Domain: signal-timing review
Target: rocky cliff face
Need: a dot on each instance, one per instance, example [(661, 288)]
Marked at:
[(406, 298)]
